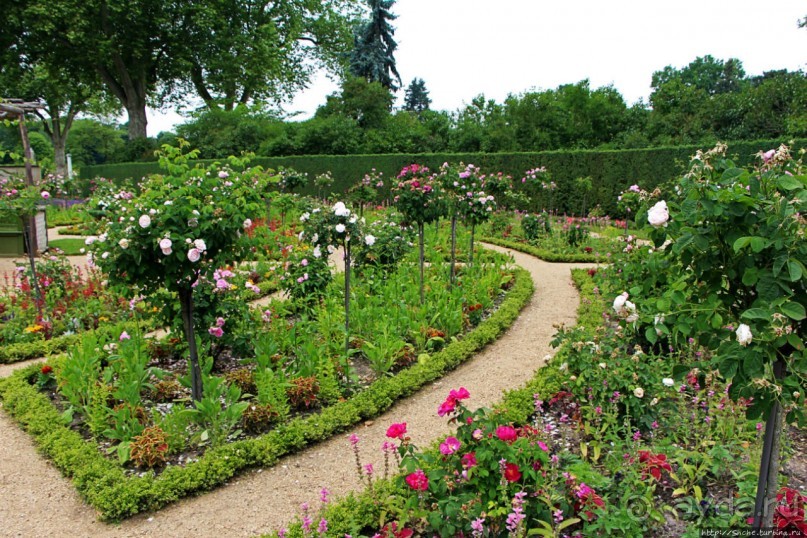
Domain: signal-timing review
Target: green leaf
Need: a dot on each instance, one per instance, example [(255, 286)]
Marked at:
[(788, 183), (756, 313), (750, 276), (794, 269), (650, 334), (741, 243), (793, 310), (758, 244), (794, 340), (717, 321)]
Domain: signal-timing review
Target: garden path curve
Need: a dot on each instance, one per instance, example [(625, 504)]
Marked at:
[(35, 500)]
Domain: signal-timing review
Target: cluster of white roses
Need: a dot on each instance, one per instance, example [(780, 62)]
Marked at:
[(625, 309)]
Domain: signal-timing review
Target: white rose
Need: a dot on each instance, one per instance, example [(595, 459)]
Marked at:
[(638, 392), (370, 240), (619, 302), (247, 223), (317, 252), (658, 215), (340, 228), (123, 243), (167, 251), (166, 243), (668, 382), (603, 365), (194, 255), (144, 221), (89, 241), (304, 217), (340, 210), (744, 335)]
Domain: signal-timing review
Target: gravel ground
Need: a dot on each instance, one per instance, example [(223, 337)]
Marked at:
[(35, 500)]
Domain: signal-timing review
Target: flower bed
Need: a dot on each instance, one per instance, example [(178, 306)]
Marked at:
[(106, 486)]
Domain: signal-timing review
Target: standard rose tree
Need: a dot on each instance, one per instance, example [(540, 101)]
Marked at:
[(183, 226)]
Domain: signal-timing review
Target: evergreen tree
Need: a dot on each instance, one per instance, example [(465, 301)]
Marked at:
[(374, 47), (417, 96)]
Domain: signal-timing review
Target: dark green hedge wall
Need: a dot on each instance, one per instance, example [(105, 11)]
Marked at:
[(612, 171)]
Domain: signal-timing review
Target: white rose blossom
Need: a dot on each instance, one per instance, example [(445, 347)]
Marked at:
[(369, 240), (668, 382), (340, 210), (658, 215), (144, 221), (123, 243), (194, 255), (340, 228), (744, 335), (200, 245), (638, 392)]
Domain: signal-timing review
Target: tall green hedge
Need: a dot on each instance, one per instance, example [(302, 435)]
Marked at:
[(612, 171)]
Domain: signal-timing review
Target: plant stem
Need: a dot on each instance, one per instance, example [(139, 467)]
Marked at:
[(186, 305), (453, 248), (347, 297), (26, 235), (420, 244), (471, 253)]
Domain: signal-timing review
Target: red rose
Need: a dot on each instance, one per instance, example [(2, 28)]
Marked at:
[(47, 369), (512, 472)]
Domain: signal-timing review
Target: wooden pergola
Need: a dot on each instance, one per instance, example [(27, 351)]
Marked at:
[(15, 109)]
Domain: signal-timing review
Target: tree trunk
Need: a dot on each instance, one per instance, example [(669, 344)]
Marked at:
[(136, 110), (186, 305), (420, 244), (60, 154), (452, 273), (768, 484)]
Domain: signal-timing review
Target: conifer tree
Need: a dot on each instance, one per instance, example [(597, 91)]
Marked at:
[(374, 47), (417, 96)]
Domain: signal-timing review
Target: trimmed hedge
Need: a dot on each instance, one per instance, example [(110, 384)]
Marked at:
[(611, 171), (105, 486), (360, 510), (542, 254)]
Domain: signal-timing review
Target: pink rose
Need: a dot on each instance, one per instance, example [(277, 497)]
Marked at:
[(506, 433), (194, 255), (396, 430)]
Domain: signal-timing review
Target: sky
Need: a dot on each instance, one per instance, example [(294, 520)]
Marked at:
[(464, 48)]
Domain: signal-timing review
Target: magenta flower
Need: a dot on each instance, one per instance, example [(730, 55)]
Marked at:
[(506, 433), (418, 480), (449, 446), (124, 336), (469, 460), (396, 430)]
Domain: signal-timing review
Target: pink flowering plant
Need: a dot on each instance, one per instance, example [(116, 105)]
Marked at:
[(183, 225), (488, 479), (306, 276)]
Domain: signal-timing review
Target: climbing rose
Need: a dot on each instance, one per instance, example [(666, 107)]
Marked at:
[(194, 255), (418, 480), (744, 335), (658, 215), (396, 430)]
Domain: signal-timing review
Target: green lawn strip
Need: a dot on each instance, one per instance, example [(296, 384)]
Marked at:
[(360, 510), (105, 486), (70, 246), (543, 254)]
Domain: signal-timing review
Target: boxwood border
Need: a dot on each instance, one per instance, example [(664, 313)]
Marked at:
[(543, 254), (116, 496)]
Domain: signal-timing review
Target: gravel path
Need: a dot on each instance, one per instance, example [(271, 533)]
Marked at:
[(35, 500)]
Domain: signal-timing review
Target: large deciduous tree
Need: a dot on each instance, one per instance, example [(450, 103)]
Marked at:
[(244, 51), (374, 47)]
